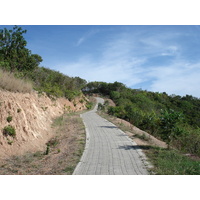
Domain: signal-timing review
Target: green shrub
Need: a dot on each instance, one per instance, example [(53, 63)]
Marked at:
[(9, 130), (47, 149), (169, 129), (71, 94), (189, 141), (81, 101), (89, 105), (101, 106), (19, 110), (9, 119)]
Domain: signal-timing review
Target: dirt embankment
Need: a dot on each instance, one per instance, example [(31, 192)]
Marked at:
[(31, 116)]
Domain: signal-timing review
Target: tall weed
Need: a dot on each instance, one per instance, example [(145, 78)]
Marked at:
[(9, 82)]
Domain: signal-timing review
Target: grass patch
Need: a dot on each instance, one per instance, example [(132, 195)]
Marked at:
[(53, 142), (58, 121), (61, 155), (171, 162), (9, 130), (69, 169), (164, 161), (9, 82), (142, 137), (9, 119)]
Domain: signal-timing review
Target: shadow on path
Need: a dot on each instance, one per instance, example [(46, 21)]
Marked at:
[(128, 147), (108, 127)]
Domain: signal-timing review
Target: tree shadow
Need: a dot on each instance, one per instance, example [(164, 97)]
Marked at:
[(108, 127), (135, 147)]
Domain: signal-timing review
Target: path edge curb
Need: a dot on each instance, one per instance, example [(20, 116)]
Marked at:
[(87, 141)]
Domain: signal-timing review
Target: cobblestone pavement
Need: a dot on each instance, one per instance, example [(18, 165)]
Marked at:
[(108, 150)]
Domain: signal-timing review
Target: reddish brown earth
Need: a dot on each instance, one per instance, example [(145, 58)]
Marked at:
[(32, 116)]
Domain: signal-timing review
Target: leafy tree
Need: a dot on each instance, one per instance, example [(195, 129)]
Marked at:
[(114, 95), (13, 53), (168, 124), (173, 118)]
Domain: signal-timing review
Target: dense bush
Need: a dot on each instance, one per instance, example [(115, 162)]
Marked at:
[(16, 58), (168, 125), (174, 119), (9, 130), (13, 52)]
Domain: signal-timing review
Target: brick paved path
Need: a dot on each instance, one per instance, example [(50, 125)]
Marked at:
[(108, 150)]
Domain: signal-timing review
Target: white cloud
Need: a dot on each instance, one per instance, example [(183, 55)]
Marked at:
[(105, 70), (171, 51), (125, 59), (116, 63), (86, 36), (80, 41), (178, 78)]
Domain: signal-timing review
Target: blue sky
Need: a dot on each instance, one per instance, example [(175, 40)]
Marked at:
[(154, 58)]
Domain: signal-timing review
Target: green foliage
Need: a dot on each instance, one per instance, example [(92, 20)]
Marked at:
[(170, 162), (101, 106), (55, 84), (9, 119), (15, 57), (89, 105), (114, 95), (71, 94), (168, 125), (174, 119), (13, 54), (189, 140), (9, 130)]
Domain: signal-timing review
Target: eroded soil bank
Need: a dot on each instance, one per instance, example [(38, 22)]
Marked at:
[(31, 117)]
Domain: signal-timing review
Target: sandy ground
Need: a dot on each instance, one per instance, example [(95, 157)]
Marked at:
[(32, 115), (65, 150)]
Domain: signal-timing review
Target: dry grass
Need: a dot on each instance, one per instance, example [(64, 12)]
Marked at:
[(65, 151), (9, 82)]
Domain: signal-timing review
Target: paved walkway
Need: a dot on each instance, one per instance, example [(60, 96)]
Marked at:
[(108, 150)]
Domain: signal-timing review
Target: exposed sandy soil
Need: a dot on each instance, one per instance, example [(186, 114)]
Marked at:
[(64, 151), (140, 137), (32, 116)]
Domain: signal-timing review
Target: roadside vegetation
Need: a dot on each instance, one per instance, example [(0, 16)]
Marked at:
[(172, 162), (9, 82), (61, 155), (172, 119), (20, 70), (164, 161)]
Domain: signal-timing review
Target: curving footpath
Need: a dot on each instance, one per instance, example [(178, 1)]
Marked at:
[(108, 150)]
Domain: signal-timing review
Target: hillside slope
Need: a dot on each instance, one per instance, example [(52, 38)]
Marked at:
[(31, 116)]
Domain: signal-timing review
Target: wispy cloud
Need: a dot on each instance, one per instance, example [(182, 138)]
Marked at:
[(129, 57), (114, 63), (86, 36), (179, 78)]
